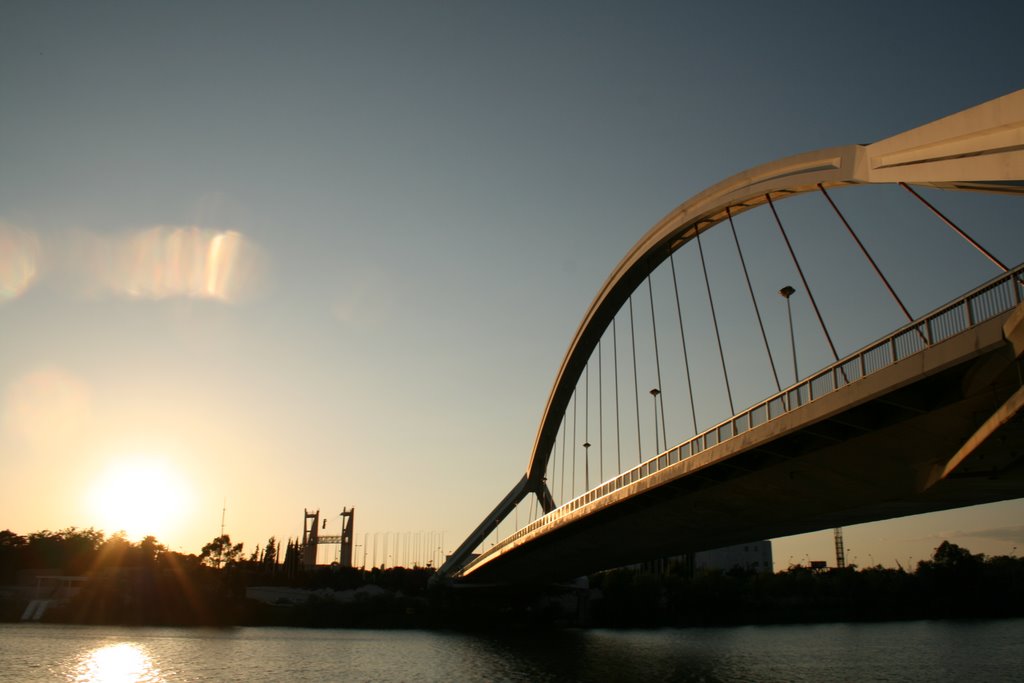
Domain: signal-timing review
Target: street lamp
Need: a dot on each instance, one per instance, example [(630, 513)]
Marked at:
[(787, 292), (586, 462), (654, 394)]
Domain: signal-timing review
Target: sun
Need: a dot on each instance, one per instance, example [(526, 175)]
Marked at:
[(141, 497)]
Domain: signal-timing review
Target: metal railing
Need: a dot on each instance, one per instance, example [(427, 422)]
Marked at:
[(987, 301)]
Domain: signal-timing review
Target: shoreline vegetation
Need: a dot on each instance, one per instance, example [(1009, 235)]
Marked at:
[(77, 576)]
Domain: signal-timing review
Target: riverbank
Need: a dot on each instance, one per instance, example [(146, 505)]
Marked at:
[(113, 582), (625, 598)]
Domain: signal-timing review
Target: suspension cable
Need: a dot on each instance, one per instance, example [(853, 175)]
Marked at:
[(953, 225), (573, 443), (618, 435), (714, 320), (863, 249), (753, 299), (682, 336), (554, 464), (664, 437), (657, 363), (600, 415), (565, 428), (799, 270), (636, 385), (586, 428)]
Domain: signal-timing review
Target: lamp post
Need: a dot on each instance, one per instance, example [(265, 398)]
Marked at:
[(787, 292), (654, 394), (586, 462)]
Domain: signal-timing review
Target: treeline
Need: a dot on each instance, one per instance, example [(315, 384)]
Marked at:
[(953, 584), (72, 552), (144, 583), (126, 582)]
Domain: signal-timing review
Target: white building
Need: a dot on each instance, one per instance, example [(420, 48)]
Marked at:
[(756, 556)]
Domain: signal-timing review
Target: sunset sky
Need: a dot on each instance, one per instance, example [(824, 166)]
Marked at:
[(278, 256)]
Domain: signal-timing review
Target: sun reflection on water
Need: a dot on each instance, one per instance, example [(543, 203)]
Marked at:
[(120, 663)]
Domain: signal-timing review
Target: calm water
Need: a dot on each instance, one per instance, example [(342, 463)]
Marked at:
[(914, 651)]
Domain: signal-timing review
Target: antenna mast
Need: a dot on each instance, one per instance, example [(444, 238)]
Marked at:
[(840, 553)]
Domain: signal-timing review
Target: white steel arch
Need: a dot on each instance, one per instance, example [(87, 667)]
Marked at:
[(978, 149)]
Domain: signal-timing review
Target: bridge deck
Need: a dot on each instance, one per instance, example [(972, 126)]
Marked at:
[(936, 430)]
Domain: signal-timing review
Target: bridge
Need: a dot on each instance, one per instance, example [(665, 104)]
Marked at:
[(924, 418)]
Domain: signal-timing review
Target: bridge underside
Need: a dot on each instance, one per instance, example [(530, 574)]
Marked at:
[(939, 432)]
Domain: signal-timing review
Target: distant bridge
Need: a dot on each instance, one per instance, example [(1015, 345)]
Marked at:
[(925, 418)]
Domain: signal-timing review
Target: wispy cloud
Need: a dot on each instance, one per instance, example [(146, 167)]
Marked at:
[(1009, 534)]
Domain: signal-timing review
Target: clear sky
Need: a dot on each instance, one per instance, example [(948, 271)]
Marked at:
[(323, 255)]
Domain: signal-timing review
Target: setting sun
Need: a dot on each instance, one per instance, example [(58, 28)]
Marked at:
[(139, 497)]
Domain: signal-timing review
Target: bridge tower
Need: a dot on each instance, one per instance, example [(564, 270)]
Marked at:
[(345, 538), (311, 538)]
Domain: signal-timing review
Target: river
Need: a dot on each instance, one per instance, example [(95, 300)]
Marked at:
[(905, 651)]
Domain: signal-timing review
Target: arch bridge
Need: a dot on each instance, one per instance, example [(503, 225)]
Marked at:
[(918, 418)]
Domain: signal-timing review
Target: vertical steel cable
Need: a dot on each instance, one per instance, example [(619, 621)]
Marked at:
[(682, 335), (636, 385), (565, 428), (618, 434), (657, 363), (954, 226), (714, 321), (554, 464), (800, 272), (573, 443), (600, 415), (586, 428), (753, 299)]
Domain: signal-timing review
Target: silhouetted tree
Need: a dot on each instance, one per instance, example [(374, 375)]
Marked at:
[(220, 553), (952, 556), (71, 550), (12, 551), (149, 550), (291, 558), (270, 554), (9, 539)]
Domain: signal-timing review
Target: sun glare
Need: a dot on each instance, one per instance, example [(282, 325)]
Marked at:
[(141, 498), (122, 662)]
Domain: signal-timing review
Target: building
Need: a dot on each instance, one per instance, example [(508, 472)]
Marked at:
[(756, 556)]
